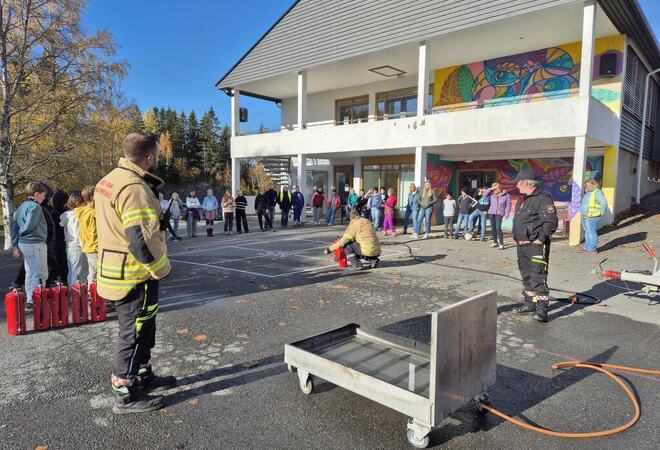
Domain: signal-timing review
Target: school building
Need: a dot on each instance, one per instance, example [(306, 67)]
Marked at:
[(390, 92)]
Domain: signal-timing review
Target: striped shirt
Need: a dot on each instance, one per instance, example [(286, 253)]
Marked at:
[(241, 203)]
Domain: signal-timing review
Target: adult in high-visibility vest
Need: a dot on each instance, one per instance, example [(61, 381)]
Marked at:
[(285, 200), (594, 206), (132, 259)]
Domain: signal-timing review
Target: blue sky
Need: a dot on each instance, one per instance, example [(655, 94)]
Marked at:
[(178, 50)]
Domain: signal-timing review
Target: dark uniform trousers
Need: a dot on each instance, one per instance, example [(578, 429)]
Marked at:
[(533, 262), (136, 315)]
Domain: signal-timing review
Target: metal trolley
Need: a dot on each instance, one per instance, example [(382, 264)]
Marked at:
[(426, 383)]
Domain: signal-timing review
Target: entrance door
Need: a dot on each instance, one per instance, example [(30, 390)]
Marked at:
[(472, 180), (343, 181)]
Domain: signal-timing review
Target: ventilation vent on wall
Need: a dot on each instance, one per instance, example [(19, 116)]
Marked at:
[(607, 65)]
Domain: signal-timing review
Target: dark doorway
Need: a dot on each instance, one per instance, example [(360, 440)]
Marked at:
[(472, 180)]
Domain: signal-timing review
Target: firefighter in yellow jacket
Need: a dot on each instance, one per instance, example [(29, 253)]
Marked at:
[(359, 241), (132, 258)]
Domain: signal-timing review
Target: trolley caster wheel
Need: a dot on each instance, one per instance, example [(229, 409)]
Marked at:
[(308, 387), (480, 401), (417, 443)]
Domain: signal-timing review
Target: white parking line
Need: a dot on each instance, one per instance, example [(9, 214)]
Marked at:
[(222, 268)]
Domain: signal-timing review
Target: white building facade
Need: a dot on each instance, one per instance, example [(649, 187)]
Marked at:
[(462, 93)]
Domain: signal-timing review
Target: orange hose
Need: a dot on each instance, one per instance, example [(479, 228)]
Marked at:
[(602, 368)]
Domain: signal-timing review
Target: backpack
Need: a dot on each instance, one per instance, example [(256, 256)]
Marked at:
[(484, 203)]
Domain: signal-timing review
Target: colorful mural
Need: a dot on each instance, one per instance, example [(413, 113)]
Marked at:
[(555, 174), (542, 74)]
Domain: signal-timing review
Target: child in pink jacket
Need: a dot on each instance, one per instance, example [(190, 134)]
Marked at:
[(388, 222)]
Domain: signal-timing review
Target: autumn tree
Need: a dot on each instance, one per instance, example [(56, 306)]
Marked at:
[(53, 76)]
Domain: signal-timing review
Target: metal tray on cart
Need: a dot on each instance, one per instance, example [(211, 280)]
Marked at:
[(424, 382)]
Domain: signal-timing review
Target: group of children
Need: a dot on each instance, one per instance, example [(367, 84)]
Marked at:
[(56, 236)]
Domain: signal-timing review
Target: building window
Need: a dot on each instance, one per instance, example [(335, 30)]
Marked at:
[(633, 91), (352, 110), (399, 103)]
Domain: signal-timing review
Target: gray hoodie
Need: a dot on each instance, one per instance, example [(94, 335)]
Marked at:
[(69, 222)]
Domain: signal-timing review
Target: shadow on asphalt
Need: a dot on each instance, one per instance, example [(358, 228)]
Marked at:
[(628, 239)]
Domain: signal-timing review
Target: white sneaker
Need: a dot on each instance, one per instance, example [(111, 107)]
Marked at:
[(493, 245), (426, 235), (501, 247), (415, 236)]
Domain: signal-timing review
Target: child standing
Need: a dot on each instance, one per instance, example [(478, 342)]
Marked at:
[(75, 257), (210, 206), (464, 205), (448, 210), (388, 221), (228, 207), (89, 239)]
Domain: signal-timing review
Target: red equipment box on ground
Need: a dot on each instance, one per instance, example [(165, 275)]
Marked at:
[(98, 311), (59, 306), (41, 308), (79, 303)]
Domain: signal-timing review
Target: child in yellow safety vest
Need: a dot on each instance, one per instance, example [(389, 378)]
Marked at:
[(594, 206), (89, 239)]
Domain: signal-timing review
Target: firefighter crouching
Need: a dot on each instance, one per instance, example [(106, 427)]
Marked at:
[(132, 258), (534, 223), (359, 242)]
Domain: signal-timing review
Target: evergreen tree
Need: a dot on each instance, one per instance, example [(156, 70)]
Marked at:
[(135, 117), (224, 143), (150, 121), (193, 148), (209, 142)]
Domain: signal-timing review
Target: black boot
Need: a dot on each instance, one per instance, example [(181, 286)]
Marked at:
[(527, 307), (129, 399), (148, 381), (542, 310)]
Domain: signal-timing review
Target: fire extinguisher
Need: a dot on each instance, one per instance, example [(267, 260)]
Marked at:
[(340, 256), (59, 305), (15, 310), (79, 302), (41, 305), (98, 310)]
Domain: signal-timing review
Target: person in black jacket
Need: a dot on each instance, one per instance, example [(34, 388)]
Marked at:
[(59, 245), (261, 206), (534, 223), (285, 201), (271, 201), (241, 218)]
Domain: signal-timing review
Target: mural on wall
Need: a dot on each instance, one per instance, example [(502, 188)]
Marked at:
[(542, 74), (555, 174)]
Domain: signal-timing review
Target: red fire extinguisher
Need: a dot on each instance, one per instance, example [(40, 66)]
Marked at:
[(41, 304), (79, 302), (97, 307), (340, 256), (59, 308), (15, 310)]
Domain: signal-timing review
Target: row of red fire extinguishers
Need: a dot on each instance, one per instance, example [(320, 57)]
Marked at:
[(51, 307)]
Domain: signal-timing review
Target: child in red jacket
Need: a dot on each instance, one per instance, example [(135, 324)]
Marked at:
[(388, 222)]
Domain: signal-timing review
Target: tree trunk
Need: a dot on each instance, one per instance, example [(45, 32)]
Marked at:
[(7, 199)]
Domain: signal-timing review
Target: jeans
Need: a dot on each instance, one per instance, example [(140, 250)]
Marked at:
[(406, 218), (424, 214), (297, 212), (92, 263), (496, 225), (375, 217), (284, 221), (77, 264), (590, 226), (330, 216), (449, 225), (175, 225), (241, 219), (462, 220), (35, 259), (191, 226), (482, 221), (261, 215), (271, 214), (229, 221), (316, 214)]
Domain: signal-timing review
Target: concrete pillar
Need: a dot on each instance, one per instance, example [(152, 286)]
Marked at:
[(235, 116), (302, 100), (423, 79), (588, 44), (579, 168), (609, 177), (331, 178), (372, 106), (302, 175), (235, 175), (357, 174), (420, 165)]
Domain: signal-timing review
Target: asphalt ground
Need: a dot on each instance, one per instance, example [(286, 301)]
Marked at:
[(232, 302)]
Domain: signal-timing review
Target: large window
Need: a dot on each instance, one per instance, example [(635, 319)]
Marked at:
[(352, 110), (399, 103), (634, 85)]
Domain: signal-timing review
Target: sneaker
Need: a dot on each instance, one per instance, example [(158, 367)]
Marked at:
[(415, 236), (374, 263), (148, 381), (501, 246), (483, 239), (493, 245), (129, 400), (525, 308), (426, 235)]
